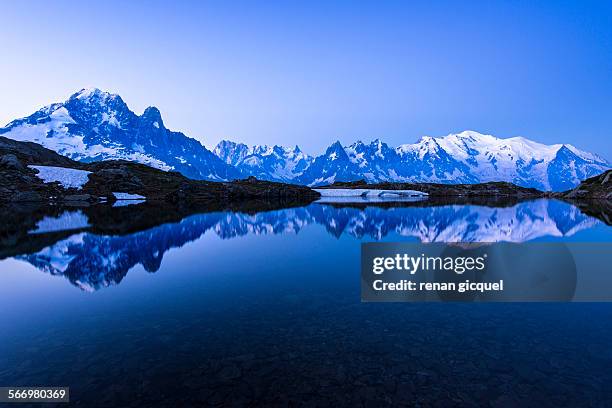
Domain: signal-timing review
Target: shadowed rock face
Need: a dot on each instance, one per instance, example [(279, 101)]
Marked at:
[(598, 187)]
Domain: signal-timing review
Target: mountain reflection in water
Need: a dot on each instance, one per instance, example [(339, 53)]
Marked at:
[(92, 261)]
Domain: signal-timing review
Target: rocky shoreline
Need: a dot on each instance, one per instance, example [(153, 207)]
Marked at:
[(433, 190)]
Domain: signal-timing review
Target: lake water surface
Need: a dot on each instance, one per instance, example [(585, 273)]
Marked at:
[(264, 308)]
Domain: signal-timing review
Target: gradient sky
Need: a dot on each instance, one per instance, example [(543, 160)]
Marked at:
[(316, 72)]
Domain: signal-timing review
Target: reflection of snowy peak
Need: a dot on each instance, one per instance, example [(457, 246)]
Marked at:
[(96, 261), (275, 163), (92, 261), (457, 223), (94, 125), (467, 157)]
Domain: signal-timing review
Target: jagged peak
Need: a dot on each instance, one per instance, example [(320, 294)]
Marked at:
[(87, 92), (227, 142), (378, 144), (335, 145), (97, 99), (90, 93), (152, 116), (336, 150), (151, 111)]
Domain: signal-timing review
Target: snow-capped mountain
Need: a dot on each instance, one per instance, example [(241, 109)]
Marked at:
[(274, 163), (95, 125), (467, 157), (517, 160)]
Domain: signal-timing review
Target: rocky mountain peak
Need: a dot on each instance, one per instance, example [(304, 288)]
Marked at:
[(152, 116)]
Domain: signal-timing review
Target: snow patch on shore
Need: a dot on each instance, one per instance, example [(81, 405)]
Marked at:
[(361, 192), (128, 196), (68, 178)]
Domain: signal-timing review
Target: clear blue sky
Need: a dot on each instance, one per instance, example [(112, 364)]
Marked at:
[(315, 72)]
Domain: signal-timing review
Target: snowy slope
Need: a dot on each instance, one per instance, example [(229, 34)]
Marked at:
[(521, 161)]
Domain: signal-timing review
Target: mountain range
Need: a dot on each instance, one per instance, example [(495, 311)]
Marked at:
[(95, 125)]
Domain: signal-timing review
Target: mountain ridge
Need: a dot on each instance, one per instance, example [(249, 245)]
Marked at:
[(468, 157), (94, 125)]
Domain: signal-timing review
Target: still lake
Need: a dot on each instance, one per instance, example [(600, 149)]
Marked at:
[(264, 308)]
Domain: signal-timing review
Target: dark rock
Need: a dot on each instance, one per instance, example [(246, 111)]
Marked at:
[(26, 196), (32, 153), (593, 196), (491, 189), (598, 187), (114, 173), (10, 161), (78, 197)]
